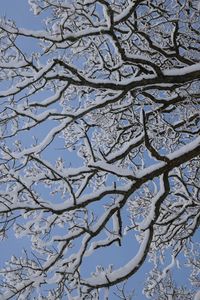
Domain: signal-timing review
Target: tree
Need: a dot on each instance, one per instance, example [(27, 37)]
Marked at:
[(116, 82)]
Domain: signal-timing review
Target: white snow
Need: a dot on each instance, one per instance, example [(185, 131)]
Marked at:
[(182, 71), (111, 169), (197, 296), (126, 269), (147, 221), (125, 147), (178, 153), (123, 14)]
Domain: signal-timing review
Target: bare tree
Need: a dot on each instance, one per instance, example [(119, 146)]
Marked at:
[(116, 82)]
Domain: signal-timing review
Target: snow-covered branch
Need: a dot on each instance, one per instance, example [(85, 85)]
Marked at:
[(99, 143)]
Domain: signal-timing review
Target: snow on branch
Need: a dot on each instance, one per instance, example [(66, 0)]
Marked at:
[(99, 145)]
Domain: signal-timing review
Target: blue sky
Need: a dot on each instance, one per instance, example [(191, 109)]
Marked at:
[(20, 12)]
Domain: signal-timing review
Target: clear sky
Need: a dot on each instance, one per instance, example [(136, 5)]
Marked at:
[(19, 11)]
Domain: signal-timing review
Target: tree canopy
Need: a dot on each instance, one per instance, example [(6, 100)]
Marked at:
[(99, 140)]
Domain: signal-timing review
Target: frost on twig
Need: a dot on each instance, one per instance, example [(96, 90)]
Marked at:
[(99, 145)]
